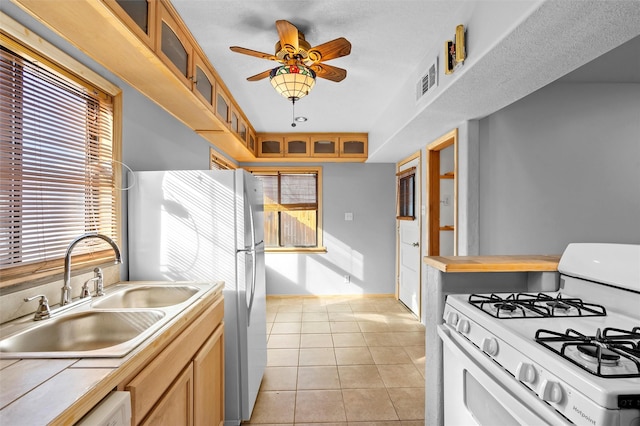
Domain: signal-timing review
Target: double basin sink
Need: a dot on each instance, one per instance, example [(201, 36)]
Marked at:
[(109, 326)]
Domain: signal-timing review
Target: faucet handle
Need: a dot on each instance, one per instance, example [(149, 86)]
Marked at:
[(43, 311)]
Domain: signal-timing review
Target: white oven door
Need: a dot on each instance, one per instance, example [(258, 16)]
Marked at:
[(477, 391)]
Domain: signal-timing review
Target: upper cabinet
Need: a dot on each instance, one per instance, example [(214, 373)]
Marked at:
[(307, 147), (139, 16), (173, 46), (204, 83)]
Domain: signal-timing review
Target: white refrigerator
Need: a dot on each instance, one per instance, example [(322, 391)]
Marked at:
[(208, 226)]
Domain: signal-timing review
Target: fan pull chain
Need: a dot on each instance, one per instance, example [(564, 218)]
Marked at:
[(293, 113)]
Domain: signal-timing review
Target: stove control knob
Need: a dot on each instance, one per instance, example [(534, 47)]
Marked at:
[(452, 319), (463, 326), (551, 391), (526, 372), (490, 346)]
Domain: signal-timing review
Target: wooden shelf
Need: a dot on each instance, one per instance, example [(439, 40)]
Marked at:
[(448, 175), (509, 263), (447, 228)]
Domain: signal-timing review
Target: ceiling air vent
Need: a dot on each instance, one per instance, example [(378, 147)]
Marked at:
[(428, 80)]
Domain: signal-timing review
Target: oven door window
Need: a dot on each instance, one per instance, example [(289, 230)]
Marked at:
[(483, 406)]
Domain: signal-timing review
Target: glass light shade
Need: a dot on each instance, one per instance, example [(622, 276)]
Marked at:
[(293, 81)]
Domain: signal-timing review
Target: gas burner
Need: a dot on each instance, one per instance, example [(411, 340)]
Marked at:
[(509, 307), (593, 353), (499, 307), (525, 305), (556, 304), (610, 353)]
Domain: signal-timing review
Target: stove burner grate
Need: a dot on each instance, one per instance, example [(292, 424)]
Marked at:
[(526, 305), (606, 349)]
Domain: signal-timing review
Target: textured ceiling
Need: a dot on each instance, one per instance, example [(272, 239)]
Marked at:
[(515, 48)]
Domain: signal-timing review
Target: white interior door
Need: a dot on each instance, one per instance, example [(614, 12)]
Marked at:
[(409, 249)]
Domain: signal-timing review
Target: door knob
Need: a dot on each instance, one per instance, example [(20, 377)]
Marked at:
[(415, 244)]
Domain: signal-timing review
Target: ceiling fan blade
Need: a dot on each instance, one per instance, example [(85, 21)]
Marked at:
[(330, 50), (329, 72), (255, 53), (288, 36), (263, 74)]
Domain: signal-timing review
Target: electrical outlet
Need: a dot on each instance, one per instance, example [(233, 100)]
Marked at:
[(347, 279)]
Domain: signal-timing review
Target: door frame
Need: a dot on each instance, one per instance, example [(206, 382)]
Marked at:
[(433, 191), (418, 212)]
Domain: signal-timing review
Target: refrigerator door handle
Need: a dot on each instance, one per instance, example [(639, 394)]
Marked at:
[(253, 260)]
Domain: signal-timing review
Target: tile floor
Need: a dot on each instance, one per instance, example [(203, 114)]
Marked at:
[(342, 361)]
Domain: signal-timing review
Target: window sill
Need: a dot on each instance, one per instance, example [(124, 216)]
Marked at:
[(296, 250)]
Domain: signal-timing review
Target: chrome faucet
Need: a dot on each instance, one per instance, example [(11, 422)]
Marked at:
[(65, 299)]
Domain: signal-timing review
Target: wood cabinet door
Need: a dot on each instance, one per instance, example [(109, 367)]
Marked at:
[(138, 16), (270, 146), (176, 405), (204, 82), (208, 385), (324, 146), (353, 146), (296, 146), (173, 46)]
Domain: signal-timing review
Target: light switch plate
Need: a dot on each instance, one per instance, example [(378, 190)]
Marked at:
[(348, 216)]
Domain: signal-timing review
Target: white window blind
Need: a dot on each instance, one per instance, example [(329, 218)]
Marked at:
[(56, 165)]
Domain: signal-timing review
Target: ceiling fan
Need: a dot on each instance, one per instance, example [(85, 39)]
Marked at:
[(292, 49)]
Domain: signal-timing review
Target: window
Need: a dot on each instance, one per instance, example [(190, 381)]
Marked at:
[(292, 208), (218, 162), (57, 158), (406, 194)]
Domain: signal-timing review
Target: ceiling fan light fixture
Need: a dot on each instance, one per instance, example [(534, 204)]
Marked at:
[(293, 81)]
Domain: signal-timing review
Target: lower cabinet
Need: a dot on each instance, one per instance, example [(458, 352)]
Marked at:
[(176, 405), (184, 383)]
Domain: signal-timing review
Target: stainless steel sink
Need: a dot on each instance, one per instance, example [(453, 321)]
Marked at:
[(83, 334), (146, 296)]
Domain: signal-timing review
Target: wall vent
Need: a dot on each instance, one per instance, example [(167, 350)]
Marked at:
[(428, 80)]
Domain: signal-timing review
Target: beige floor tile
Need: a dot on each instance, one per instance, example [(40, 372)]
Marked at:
[(316, 341), (344, 327), (315, 316), (409, 402), (388, 423), (381, 339), (416, 353), (314, 308), (373, 326), (344, 340), (353, 356), (319, 406), (405, 325), (318, 377), (359, 377), (401, 376), (311, 327), (283, 341), (389, 355), (413, 338), (286, 328), (412, 422), (368, 405), (339, 307), (282, 357), (279, 378), (341, 316), (274, 407), (317, 356), (288, 317), (289, 308)]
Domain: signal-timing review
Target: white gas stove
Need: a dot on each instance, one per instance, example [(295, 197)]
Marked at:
[(565, 357)]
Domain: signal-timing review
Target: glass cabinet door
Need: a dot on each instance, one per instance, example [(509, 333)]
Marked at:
[(174, 47), (324, 146), (138, 16)]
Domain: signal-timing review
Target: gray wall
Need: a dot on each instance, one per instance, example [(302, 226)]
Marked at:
[(559, 166), (363, 248)]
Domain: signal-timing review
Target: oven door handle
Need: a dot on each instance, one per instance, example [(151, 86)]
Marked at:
[(504, 387)]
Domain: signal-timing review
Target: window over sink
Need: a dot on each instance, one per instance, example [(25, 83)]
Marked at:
[(60, 163)]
